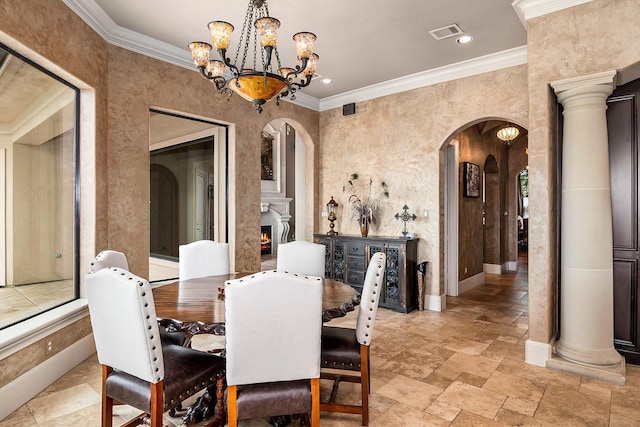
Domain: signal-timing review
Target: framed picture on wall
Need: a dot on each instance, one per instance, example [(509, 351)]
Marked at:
[(266, 157), (471, 176)]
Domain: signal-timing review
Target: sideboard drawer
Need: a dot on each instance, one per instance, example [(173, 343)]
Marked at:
[(355, 278), (355, 248), (356, 263)]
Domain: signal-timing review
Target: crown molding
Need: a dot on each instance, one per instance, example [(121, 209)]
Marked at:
[(528, 9), (99, 21), (483, 64), (305, 100), (93, 15)]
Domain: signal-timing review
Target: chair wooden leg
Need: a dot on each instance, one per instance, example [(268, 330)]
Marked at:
[(232, 406), (315, 402), (107, 402), (365, 382), (157, 396)]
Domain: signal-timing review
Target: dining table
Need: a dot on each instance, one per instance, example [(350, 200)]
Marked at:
[(196, 306)]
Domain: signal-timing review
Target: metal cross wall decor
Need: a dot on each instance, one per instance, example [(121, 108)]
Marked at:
[(405, 216)]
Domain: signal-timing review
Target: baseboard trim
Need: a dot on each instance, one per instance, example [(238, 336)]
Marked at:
[(24, 388), (537, 353), (492, 268), (436, 303), (470, 283), (512, 266)]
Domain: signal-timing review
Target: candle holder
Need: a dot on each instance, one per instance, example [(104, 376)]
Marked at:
[(332, 209)]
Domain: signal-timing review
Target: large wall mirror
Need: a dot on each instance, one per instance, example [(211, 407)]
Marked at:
[(38, 189), (187, 176)]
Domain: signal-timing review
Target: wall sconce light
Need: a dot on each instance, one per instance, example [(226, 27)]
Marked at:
[(332, 209)]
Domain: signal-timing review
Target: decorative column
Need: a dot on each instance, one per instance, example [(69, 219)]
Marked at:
[(586, 306)]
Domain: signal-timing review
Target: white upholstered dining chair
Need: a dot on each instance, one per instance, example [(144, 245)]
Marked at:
[(136, 368), (203, 258), (109, 258), (273, 324), (301, 257), (346, 350)]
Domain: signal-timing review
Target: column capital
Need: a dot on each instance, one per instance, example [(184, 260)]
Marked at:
[(605, 78)]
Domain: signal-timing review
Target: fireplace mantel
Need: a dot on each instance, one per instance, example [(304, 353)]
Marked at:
[(275, 212)]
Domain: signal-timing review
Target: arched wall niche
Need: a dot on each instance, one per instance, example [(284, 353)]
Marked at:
[(303, 201)]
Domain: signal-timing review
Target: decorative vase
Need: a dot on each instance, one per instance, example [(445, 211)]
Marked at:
[(364, 225)]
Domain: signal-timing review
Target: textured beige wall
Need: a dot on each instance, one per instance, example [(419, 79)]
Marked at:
[(597, 36), (51, 35), (399, 138), (137, 83), (118, 88)]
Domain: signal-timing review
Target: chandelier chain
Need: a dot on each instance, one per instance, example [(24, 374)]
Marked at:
[(247, 19)]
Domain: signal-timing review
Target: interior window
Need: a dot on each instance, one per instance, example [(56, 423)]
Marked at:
[(38, 189)]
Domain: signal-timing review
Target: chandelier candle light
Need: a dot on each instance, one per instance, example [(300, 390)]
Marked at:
[(260, 83)]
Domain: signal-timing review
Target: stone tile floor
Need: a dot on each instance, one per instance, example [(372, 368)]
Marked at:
[(461, 367)]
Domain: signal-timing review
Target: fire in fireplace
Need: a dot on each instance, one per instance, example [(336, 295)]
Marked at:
[(265, 240)]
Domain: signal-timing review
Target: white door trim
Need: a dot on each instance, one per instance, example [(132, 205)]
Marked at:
[(452, 170)]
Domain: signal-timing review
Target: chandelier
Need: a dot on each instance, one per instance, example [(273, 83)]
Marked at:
[(508, 133), (261, 83)]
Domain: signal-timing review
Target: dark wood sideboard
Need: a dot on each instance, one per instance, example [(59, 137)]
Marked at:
[(347, 258)]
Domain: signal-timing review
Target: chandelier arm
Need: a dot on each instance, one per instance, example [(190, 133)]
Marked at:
[(301, 67), (204, 73), (218, 81), (302, 83), (227, 61)]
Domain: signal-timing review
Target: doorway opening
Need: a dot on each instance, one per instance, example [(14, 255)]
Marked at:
[(481, 228), (187, 187)]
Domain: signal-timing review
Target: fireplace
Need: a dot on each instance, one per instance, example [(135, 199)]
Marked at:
[(265, 239)]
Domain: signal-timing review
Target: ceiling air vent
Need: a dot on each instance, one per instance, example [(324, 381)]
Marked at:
[(446, 32)]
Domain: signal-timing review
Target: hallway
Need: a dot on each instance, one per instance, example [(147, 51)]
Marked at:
[(461, 367)]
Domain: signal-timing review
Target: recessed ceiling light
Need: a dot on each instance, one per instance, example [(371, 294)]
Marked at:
[(326, 81), (464, 39)]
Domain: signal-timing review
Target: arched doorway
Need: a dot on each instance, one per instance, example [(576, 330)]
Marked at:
[(290, 194), (471, 244)]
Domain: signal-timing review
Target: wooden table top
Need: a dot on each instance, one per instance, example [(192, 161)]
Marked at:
[(197, 306)]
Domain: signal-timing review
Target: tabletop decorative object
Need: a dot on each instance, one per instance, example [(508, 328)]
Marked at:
[(365, 200), (405, 217), (332, 209)]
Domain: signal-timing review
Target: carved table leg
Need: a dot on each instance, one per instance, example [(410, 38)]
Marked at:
[(280, 421), (206, 406)]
